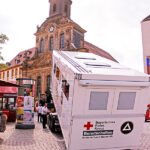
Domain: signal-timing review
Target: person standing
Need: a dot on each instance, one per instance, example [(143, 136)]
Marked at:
[(44, 115), (39, 109)]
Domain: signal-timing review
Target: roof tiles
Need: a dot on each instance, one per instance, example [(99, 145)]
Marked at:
[(19, 58)]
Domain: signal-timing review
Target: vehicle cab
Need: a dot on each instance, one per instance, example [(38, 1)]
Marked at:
[(147, 115)]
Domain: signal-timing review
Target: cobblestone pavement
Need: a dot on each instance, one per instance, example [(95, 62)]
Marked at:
[(33, 139), (145, 138), (43, 139)]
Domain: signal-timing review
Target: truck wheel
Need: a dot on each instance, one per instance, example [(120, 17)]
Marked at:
[(52, 127)]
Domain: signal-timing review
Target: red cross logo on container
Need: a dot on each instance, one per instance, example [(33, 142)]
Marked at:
[(88, 125)]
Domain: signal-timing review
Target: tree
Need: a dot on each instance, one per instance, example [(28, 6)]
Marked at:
[(3, 39)]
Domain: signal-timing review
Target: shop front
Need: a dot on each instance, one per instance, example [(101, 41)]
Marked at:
[(8, 97)]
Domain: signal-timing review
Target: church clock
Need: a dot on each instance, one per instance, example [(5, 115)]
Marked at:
[(51, 29)]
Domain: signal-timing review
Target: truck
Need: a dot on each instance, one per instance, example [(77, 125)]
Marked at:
[(99, 103)]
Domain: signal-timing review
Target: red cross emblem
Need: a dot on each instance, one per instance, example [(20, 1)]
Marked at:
[(88, 125)]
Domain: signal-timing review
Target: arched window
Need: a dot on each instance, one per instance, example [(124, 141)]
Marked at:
[(42, 46), (38, 86), (66, 8), (51, 43), (76, 39), (48, 81), (62, 41), (54, 7)]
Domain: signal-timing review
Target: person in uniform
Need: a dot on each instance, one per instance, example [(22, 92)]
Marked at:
[(44, 115)]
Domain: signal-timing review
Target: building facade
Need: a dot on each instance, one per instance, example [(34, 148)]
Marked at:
[(12, 73), (145, 25), (57, 32), (15, 69)]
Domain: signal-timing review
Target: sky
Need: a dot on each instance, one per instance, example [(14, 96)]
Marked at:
[(113, 25)]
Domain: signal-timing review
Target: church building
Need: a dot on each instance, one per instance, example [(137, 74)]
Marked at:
[(57, 32)]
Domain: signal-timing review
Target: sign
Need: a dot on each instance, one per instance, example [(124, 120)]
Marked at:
[(27, 115), (20, 115), (88, 125), (28, 82), (127, 127), (20, 101), (98, 129), (9, 95), (28, 102)]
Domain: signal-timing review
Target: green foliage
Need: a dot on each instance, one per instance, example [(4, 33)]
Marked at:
[(3, 39), (3, 66)]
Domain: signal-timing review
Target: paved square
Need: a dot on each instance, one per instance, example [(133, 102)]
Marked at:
[(32, 139), (43, 139)]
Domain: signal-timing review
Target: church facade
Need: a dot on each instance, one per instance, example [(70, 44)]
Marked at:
[(57, 32)]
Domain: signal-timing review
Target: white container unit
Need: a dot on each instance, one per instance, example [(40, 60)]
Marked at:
[(100, 104)]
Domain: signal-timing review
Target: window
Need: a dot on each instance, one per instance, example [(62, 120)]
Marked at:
[(7, 75), (51, 43), (57, 73), (19, 55), (42, 46), (76, 39), (20, 72), (62, 44), (54, 7), (66, 8), (12, 73), (17, 61), (65, 88), (16, 72), (48, 81), (98, 100), (29, 52), (38, 86), (54, 68), (126, 100), (3, 75)]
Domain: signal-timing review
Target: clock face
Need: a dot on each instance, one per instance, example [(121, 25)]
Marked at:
[(51, 29)]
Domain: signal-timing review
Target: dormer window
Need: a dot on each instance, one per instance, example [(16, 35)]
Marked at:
[(19, 55), (17, 61), (54, 8), (29, 52)]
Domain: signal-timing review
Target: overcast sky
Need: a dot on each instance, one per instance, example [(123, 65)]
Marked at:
[(113, 25)]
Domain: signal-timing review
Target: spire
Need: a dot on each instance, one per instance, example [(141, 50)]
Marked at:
[(60, 7)]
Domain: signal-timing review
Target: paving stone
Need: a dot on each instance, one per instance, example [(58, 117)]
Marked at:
[(33, 139), (39, 139)]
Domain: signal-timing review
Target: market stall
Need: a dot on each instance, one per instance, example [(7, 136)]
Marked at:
[(8, 95)]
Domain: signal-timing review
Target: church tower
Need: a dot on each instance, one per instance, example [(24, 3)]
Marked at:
[(62, 7)]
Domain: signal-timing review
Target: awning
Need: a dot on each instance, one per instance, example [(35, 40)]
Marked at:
[(6, 90), (8, 84)]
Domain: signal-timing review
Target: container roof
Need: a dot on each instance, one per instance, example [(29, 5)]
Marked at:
[(96, 67)]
